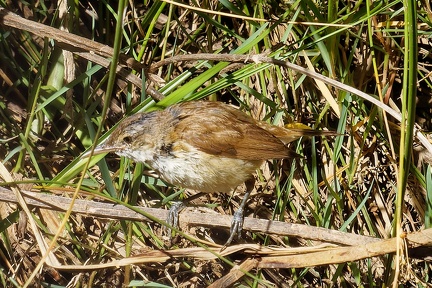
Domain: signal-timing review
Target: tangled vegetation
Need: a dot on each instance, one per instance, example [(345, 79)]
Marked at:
[(354, 210)]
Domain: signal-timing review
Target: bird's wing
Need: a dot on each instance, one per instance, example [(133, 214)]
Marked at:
[(220, 129)]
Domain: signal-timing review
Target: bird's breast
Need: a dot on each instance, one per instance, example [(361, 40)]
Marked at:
[(194, 169)]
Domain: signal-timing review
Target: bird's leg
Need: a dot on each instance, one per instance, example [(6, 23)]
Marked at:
[(173, 215), (237, 221), (238, 217), (174, 212)]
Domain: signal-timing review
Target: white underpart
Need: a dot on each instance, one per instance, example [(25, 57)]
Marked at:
[(189, 169)]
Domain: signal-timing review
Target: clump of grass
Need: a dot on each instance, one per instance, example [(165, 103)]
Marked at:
[(347, 183)]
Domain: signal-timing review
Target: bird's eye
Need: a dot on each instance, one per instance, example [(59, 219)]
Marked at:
[(127, 139)]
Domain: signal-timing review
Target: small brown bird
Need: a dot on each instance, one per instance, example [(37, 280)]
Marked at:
[(205, 146)]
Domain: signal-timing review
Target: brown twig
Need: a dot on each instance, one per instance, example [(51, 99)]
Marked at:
[(324, 256), (192, 217)]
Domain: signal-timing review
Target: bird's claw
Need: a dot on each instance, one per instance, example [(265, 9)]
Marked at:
[(173, 216), (236, 226)]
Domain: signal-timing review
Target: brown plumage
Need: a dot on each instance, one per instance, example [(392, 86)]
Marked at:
[(206, 146)]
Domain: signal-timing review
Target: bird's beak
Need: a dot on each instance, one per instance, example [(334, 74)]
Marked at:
[(99, 149)]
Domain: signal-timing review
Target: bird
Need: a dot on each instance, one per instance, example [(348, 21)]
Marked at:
[(207, 146)]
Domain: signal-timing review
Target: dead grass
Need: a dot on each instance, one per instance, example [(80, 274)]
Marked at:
[(324, 220)]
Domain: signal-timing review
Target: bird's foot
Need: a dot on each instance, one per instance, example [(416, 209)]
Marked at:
[(236, 226), (173, 217)]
